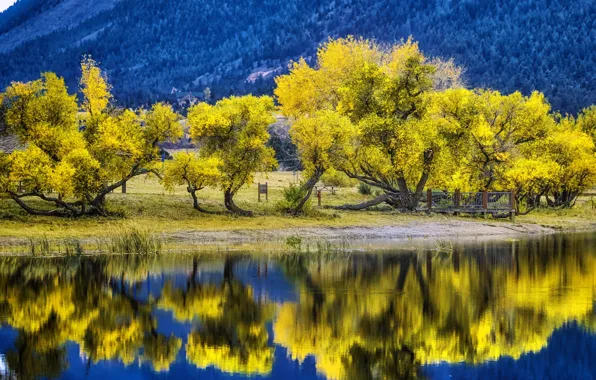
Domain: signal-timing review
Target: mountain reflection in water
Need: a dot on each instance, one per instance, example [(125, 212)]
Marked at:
[(475, 310)]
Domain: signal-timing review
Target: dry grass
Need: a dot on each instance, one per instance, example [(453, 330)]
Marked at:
[(148, 206)]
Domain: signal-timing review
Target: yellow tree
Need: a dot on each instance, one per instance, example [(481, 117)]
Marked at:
[(515, 143), (193, 171), (496, 128), (73, 159), (385, 93), (235, 131), (75, 305), (573, 152), (322, 141), (388, 316)]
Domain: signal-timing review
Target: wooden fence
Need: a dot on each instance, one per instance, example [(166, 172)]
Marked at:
[(484, 202)]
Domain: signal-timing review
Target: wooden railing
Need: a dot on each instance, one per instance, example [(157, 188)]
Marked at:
[(485, 202)]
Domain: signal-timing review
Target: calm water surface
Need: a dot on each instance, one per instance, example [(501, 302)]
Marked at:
[(517, 309)]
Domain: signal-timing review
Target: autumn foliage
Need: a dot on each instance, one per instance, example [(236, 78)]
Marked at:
[(385, 116), (408, 124), (75, 154)]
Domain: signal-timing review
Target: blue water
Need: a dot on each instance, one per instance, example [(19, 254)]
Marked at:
[(359, 312)]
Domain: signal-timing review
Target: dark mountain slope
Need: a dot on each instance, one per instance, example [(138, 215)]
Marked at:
[(34, 18), (152, 46)]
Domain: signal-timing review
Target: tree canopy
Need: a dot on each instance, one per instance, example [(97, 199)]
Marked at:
[(401, 122), (234, 130), (73, 158)]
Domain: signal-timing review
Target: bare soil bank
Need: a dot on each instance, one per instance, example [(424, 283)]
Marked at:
[(416, 230)]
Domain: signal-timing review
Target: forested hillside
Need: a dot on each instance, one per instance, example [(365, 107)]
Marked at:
[(150, 47)]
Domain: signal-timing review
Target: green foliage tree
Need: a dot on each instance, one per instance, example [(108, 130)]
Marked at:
[(234, 130), (73, 159)]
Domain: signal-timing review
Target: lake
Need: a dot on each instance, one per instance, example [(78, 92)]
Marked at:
[(493, 309)]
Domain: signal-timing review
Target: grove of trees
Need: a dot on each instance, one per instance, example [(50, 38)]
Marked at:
[(75, 154), (383, 115), (398, 121)]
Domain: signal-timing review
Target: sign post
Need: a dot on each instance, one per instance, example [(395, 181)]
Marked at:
[(263, 189)]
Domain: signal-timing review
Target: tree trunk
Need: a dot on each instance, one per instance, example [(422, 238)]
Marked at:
[(93, 204), (195, 202), (307, 188), (407, 200), (361, 206), (230, 205)]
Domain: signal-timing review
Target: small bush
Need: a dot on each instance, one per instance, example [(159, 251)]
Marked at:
[(365, 189), (292, 197)]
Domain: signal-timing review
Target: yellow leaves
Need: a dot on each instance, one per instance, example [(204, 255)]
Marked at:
[(86, 177), (469, 313), (119, 143), (586, 121), (204, 302), (19, 100), (384, 92), (401, 54), (119, 340), (482, 132), (162, 125), (235, 130), (40, 104), (530, 175), (79, 155), (191, 169), (161, 351), (322, 140), (94, 86), (61, 179), (300, 92), (32, 167), (228, 359)]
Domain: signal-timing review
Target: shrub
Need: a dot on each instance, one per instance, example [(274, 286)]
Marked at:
[(365, 189), (292, 197)]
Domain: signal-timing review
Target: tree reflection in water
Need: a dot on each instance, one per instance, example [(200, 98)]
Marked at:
[(385, 316), (359, 316)]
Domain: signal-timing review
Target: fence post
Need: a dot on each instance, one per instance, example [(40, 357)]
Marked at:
[(429, 199), (457, 201), (267, 191), (485, 203), (319, 197), (124, 187), (513, 206), (259, 191)]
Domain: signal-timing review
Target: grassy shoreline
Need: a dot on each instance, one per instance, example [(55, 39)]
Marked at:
[(148, 206)]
